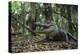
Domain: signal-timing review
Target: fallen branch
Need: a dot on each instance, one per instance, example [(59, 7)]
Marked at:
[(26, 27)]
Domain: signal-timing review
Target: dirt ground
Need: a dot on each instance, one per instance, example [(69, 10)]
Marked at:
[(24, 44)]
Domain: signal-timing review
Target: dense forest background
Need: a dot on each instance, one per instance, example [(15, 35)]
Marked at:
[(25, 14)]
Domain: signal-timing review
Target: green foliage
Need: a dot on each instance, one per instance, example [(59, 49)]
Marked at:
[(15, 6), (40, 12)]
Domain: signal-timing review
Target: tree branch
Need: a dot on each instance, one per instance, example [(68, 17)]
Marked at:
[(26, 27)]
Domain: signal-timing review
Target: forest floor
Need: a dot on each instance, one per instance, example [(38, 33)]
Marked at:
[(24, 44)]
